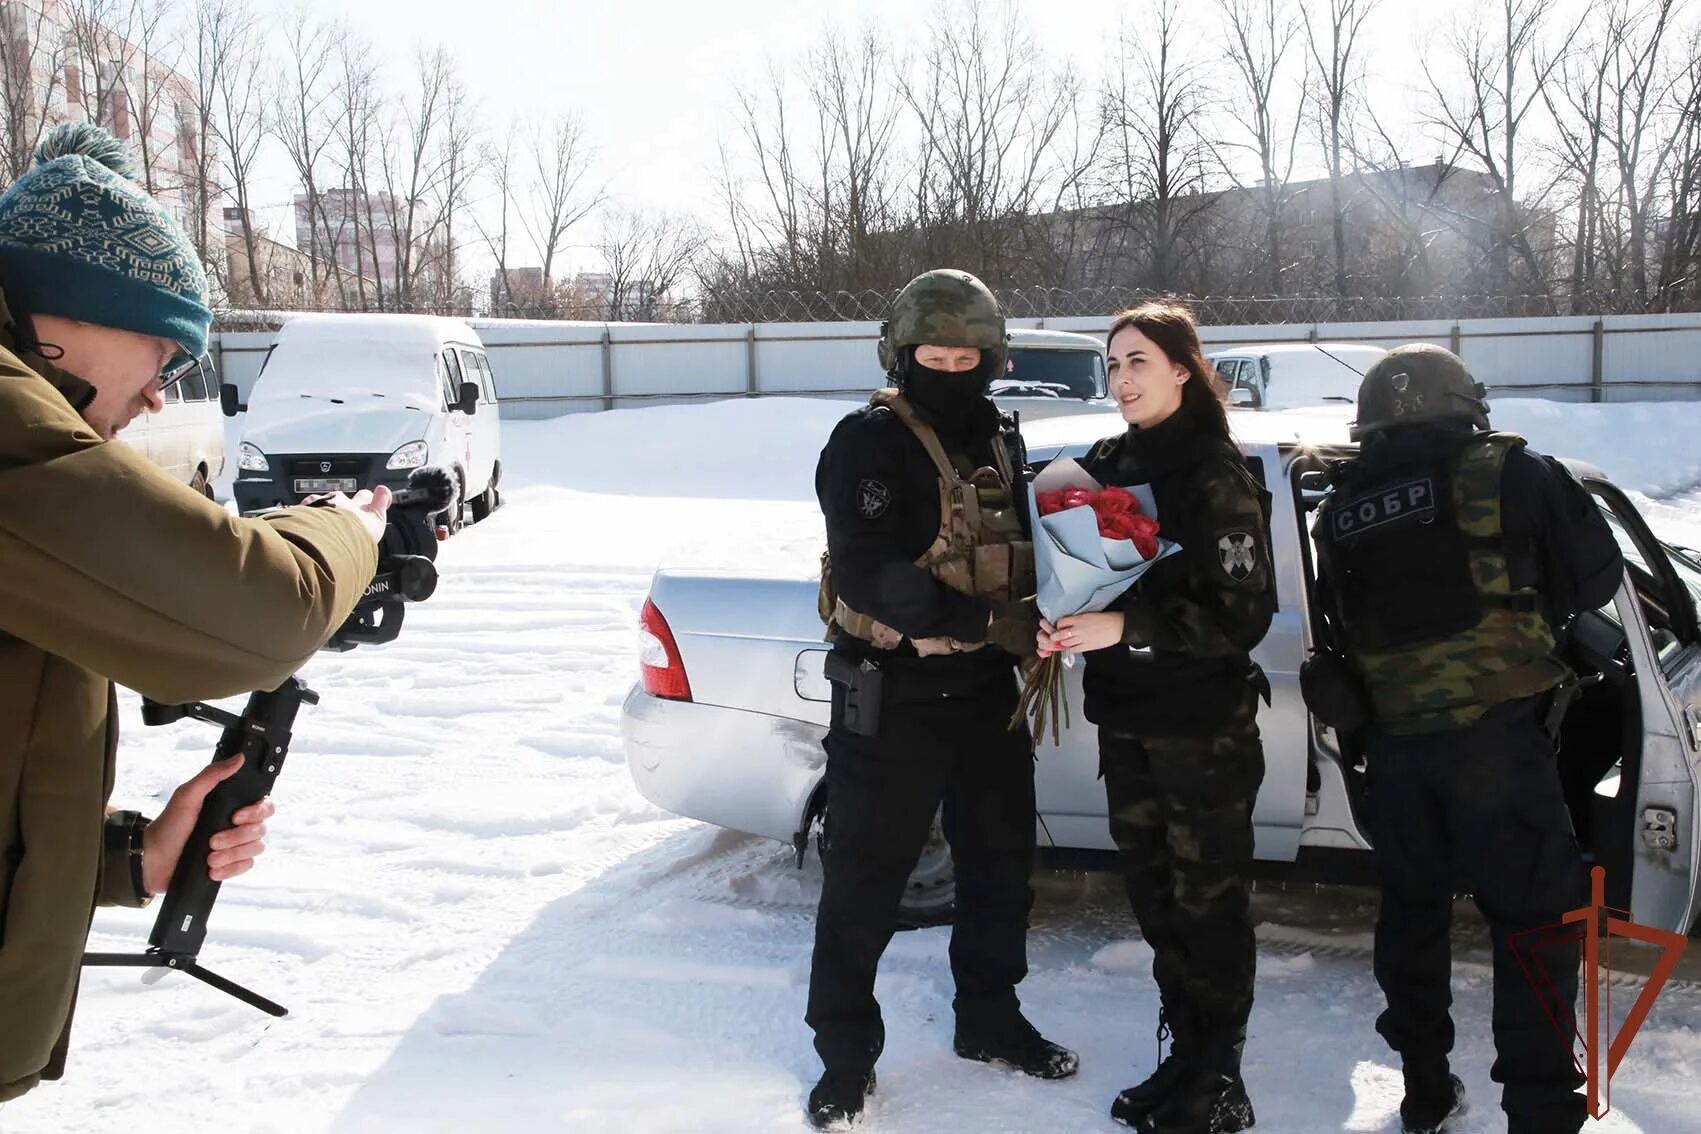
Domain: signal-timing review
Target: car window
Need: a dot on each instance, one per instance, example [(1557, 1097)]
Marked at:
[(1230, 369), (172, 395), (194, 385), (1651, 573), (1035, 373), (470, 372), (451, 377), (489, 376)]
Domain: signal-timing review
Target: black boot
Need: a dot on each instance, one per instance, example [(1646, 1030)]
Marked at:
[(838, 1099), (1210, 1098), (1171, 1070), (1433, 1099), (1015, 1043)]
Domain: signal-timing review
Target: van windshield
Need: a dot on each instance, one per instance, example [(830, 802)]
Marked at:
[(1036, 373), (341, 368)]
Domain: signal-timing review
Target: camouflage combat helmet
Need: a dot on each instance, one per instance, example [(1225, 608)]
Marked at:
[(1418, 384), (945, 307)]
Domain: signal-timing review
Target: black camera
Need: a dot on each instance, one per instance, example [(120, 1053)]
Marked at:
[(406, 573), (406, 568)]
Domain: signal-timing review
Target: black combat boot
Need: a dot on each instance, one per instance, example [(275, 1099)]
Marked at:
[(1171, 1070), (1015, 1043), (1434, 1098), (1209, 1099), (838, 1099)]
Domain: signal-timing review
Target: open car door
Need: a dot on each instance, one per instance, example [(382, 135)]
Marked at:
[(1647, 642)]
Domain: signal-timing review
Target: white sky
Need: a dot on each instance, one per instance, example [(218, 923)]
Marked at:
[(653, 79)]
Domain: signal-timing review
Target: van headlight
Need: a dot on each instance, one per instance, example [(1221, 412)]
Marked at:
[(413, 455), (250, 459)]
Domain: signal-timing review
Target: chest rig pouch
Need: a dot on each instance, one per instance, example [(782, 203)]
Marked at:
[(1416, 548), (981, 548)]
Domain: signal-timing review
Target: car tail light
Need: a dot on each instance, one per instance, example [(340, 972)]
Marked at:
[(658, 657)]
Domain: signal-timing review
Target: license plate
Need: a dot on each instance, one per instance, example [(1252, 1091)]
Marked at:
[(326, 483)]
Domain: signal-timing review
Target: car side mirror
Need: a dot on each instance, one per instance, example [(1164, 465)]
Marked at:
[(228, 400), (1242, 398), (469, 398)]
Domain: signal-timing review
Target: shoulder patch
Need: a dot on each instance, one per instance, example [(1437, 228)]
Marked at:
[(872, 499), (1237, 551)]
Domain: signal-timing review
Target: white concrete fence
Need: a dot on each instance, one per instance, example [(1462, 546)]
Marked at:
[(545, 369)]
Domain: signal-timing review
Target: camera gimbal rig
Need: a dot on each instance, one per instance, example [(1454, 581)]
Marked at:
[(406, 573)]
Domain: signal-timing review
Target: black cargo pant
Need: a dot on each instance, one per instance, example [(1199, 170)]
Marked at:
[(882, 794), (1478, 809), (1181, 816)]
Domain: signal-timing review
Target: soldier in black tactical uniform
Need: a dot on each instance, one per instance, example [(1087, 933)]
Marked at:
[(1172, 687), (1448, 556), (923, 591)]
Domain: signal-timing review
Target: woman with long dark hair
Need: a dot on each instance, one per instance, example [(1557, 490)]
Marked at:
[(1170, 683)]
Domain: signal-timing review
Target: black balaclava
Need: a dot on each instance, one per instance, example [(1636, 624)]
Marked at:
[(954, 403)]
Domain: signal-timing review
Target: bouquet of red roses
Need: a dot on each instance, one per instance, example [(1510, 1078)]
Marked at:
[(1116, 509), (1091, 543)]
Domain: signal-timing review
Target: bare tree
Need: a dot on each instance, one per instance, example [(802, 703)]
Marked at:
[(31, 48), (1155, 153), (1261, 36), (497, 161), (559, 196), (1576, 99), (210, 22), (996, 151), (647, 254), (1332, 34), (305, 121), (354, 215), (240, 124), (457, 150), (411, 158), (1503, 72)]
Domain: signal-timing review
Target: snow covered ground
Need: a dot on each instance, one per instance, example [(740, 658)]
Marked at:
[(478, 925)]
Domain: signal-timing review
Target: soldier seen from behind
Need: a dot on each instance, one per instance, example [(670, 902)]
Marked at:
[(1448, 558), (923, 591), (1172, 687)]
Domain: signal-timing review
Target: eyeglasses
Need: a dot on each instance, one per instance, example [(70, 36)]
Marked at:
[(180, 367)]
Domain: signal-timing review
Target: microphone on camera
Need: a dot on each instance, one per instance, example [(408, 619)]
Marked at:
[(432, 488)]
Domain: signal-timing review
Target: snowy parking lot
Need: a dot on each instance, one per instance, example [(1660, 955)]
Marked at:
[(479, 925)]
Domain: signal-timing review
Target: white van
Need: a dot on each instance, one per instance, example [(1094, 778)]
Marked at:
[(186, 436), (1050, 374), (1291, 375), (346, 402)]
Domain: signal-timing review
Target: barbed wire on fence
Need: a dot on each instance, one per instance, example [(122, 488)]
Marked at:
[(872, 305)]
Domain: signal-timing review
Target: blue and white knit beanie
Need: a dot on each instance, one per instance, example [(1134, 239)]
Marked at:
[(80, 239)]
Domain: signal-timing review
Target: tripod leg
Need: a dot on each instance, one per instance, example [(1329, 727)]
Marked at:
[(230, 988)]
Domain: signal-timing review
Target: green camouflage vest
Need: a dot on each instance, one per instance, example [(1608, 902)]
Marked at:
[(980, 550), (1447, 682)]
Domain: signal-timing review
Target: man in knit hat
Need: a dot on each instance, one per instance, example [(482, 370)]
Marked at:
[(110, 571)]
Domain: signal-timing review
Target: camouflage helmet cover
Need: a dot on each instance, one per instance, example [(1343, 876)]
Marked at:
[(1418, 384), (945, 307)]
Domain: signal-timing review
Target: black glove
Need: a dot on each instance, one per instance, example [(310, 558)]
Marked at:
[(1015, 628)]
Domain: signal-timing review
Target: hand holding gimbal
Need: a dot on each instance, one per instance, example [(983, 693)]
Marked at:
[(406, 573)]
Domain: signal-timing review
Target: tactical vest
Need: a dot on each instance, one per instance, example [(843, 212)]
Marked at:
[(1418, 557), (980, 550)]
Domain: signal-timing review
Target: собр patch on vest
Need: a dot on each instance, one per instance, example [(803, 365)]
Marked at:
[(1411, 500)]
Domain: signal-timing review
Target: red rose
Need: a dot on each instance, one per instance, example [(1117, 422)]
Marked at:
[(1076, 497), (1115, 500), (1049, 502)]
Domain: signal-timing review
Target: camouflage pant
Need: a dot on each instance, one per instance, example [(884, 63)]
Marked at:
[(1181, 815)]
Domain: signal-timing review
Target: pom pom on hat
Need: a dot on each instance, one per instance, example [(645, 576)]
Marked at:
[(90, 141)]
